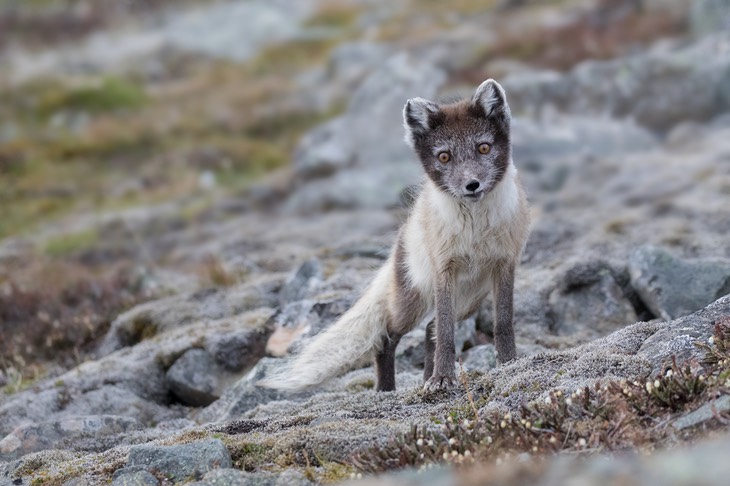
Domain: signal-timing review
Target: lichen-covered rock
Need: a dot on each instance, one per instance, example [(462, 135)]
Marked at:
[(133, 476), (302, 282), (181, 462), (676, 339), (656, 88), (378, 163), (90, 433), (236, 477), (673, 287), (589, 299), (195, 379), (160, 316)]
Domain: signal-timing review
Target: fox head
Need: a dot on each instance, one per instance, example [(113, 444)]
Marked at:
[(465, 146)]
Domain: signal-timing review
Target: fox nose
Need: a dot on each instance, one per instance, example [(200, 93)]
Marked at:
[(473, 185)]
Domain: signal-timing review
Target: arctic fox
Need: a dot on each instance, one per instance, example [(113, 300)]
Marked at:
[(462, 239)]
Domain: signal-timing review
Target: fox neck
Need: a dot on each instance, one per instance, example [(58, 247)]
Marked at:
[(498, 205)]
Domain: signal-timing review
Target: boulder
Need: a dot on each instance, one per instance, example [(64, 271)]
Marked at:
[(676, 339), (302, 282), (709, 16), (90, 433), (131, 476), (194, 378), (672, 287), (657, 88), (156, 317), (589, 299), (367, 140), (181, 462), (236, 477)]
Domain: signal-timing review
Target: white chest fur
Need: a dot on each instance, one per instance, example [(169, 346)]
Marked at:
[(469, 238)]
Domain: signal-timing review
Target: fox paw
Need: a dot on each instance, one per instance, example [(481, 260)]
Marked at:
[(439, 382)]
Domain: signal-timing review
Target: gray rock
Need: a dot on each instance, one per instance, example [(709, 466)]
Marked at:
[(298, 322), (656, 88), (244, 395), (301, 284), (131, 477), (351, 61), (368, 140), (677, 338), (482, 358), (588, 299), (181, 462), (156, 317), (130, 382), (672, 287), (89, 433), (235, 477), (238, 349), (703, 414), (194, 378), (709, 16), (546, 140)]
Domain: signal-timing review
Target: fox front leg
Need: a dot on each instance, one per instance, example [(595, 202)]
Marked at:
[(504, 334), (443, 375)]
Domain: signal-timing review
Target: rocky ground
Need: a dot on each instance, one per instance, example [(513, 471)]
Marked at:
[(168, 244)]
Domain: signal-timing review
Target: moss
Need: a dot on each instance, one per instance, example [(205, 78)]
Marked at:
[(615, 416), (248, 456), (333, 15), (289, 57), (67, 244), (111, 94)]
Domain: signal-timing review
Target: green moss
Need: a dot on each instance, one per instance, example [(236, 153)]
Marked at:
[(111, 94), (248, 456), (71, 243), (334, 15)]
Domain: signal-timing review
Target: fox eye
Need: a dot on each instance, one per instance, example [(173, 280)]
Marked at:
[(444, 157), (484, 148)]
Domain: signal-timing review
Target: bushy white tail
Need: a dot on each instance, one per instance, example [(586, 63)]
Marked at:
[(348, 341)]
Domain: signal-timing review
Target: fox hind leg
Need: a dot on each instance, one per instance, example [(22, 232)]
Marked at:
[(430, 347), (385, 364)]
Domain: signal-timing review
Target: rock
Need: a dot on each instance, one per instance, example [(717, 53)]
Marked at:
[(239, 349), (235, 477), (320, 152), (672, 287), (297, 322), (156, 317), (676, 339), (564, 136), (709, 16), (244, 395), (90, 433), (589, 299), (656, 88), (351, 61), (299, 285), (181, 462), (130, 382), (131, 477), (379, 164), (482, 358), (703, 414), (194, 378)]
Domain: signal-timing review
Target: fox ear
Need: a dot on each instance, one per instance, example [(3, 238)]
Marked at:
[(491, 99), (416, 117)]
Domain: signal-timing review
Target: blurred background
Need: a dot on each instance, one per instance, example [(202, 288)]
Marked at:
[(153, 147)]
